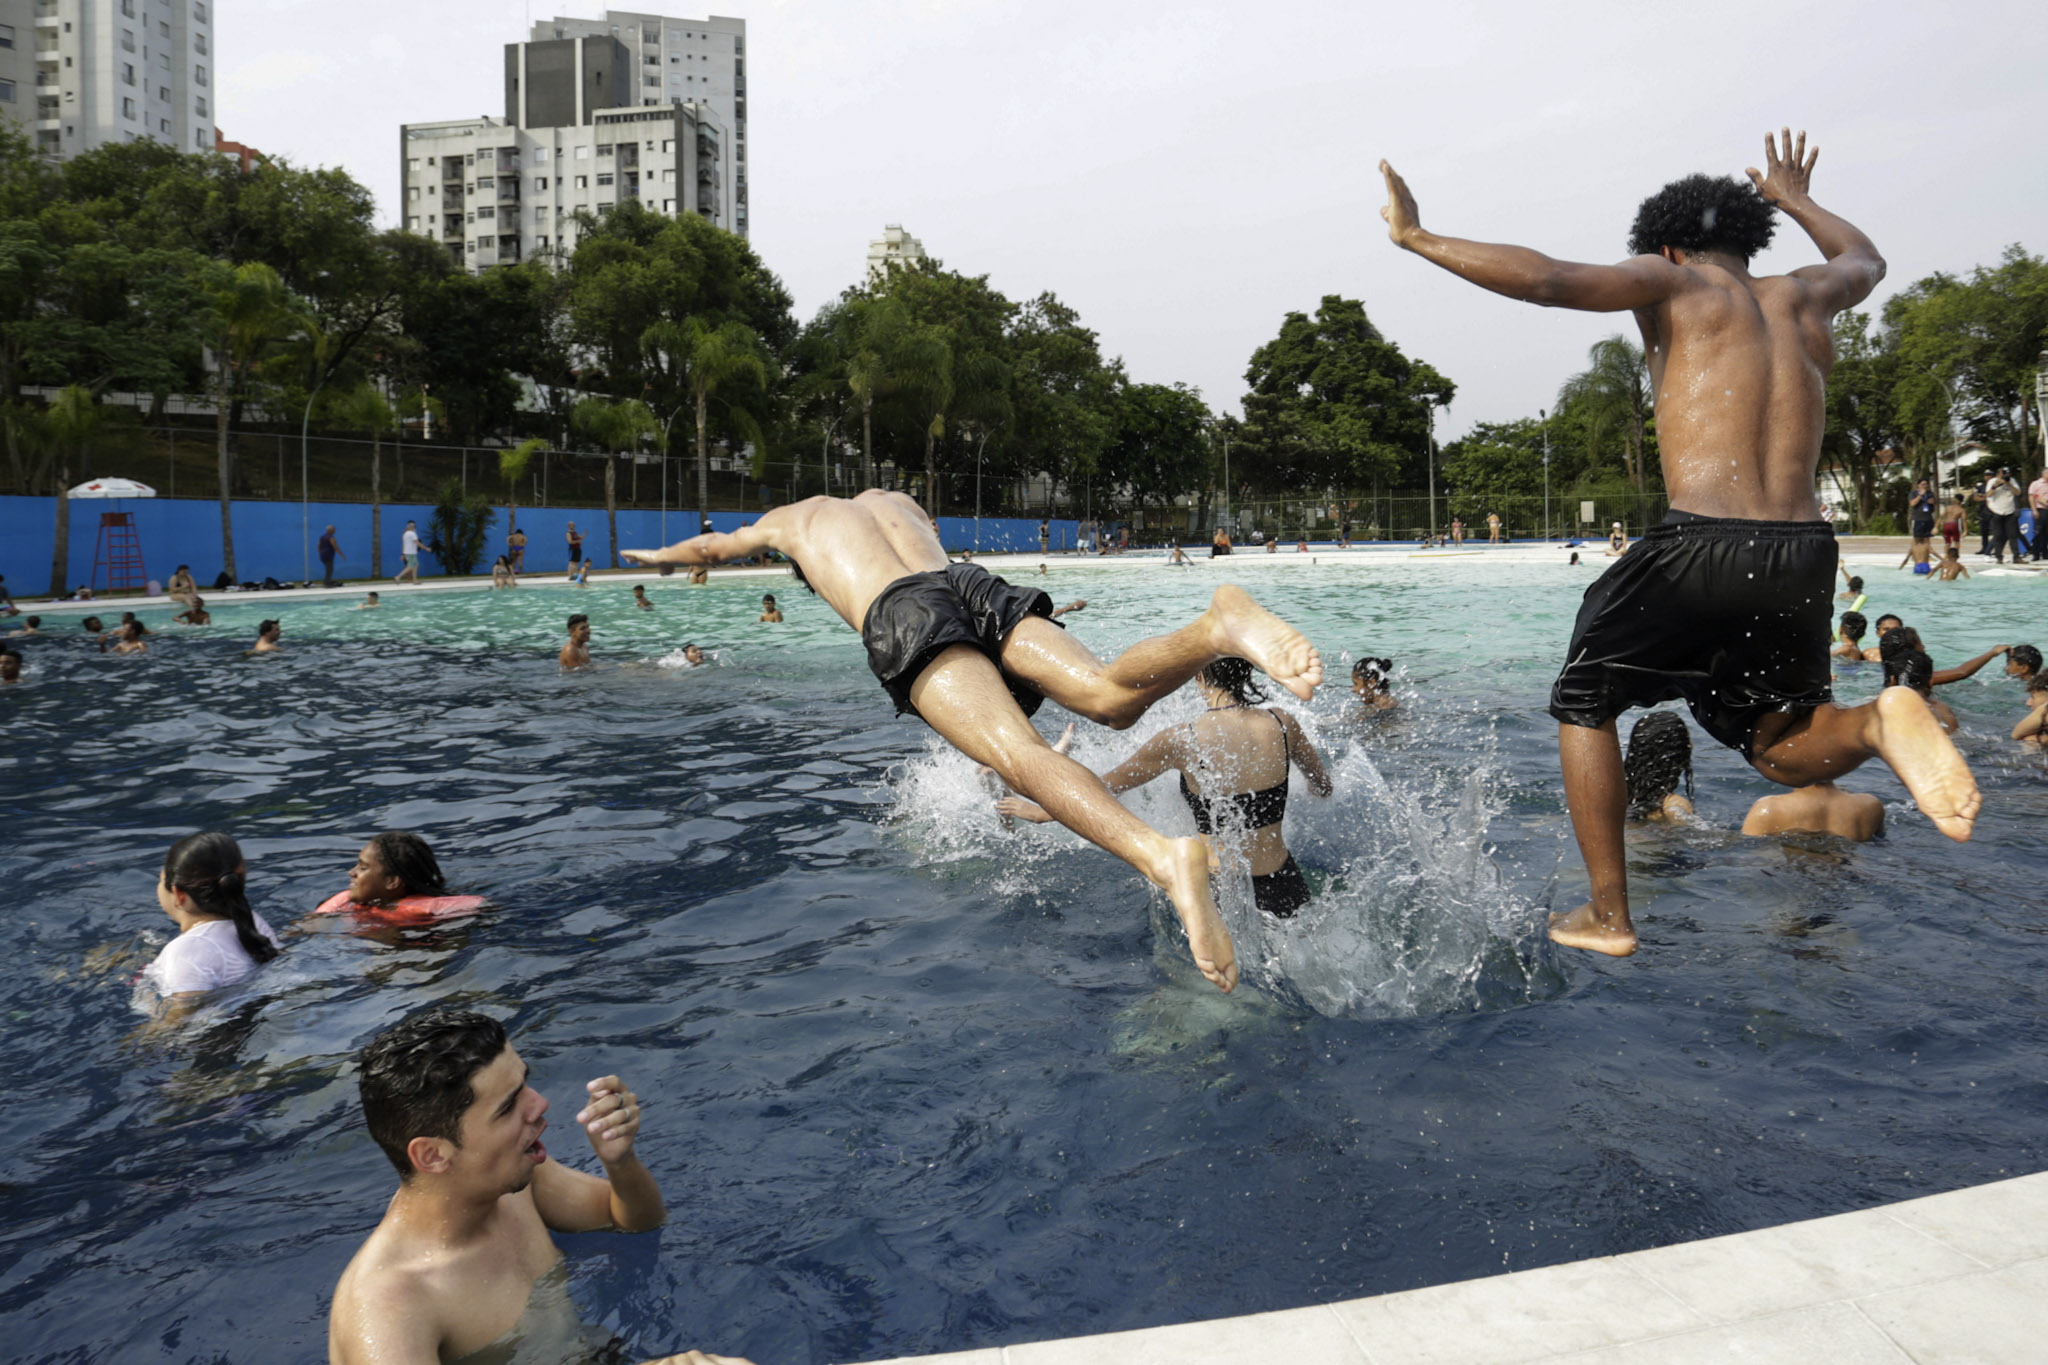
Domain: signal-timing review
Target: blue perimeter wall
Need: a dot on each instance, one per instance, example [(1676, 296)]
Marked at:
[(268, 542)]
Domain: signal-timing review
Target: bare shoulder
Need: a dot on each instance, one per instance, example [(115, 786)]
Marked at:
[(385, 1310)]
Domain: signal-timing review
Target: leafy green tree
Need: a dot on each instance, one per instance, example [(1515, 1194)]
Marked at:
[(616, 426), (1986, 333), (1863, 412), (1159, 448), (249, 313), (512, 467), (73, 417), (703, 360), (1612, 398), (364, 408), (461, 523), (1062, 392), (1333, 403)]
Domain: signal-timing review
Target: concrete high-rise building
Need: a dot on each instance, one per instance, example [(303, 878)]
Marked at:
[(893, 247), (78, 74), (597, 111)]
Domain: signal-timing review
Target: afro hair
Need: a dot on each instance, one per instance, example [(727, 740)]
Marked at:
[(1703, 213)]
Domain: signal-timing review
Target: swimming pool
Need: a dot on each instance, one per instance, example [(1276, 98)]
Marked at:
[(915, 1082)]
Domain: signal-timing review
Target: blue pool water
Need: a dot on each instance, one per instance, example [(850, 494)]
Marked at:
[(915, 1082)]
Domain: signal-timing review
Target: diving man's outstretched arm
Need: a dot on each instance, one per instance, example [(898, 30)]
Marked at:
[(713, 547)]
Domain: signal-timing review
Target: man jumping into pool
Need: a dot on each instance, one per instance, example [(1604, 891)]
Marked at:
[(974, 656), (1726, 603)]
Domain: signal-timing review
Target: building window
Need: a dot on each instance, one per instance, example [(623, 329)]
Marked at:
[(412, 163), (413, 194), (128, 8), (486, 182), (127, 40), (542, 242), (163, 29), (604, 178), (199, 140), (127, 73), (199, 107), (6, 35), (7, 92), (486, 214), (199, 11), (413, 222), (127, 108), (582, 182), (582, 153), (603, 209), (540, 155), (652, 82), (163, 92), (540, 213), (540, 182), (199, 75), (604, 149), (199, 43)]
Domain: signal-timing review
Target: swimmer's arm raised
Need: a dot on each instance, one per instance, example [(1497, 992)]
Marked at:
[(1962, 671), (1853, 267), (1305, 756), (1157, 755), (1520, 273), (628, 1198), (713, 547)]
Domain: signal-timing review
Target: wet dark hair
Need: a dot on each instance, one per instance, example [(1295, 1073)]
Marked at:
[(415, 1078), (10, 656), (1909, 668), (406, 856), (1378, 670), (1234, 675), (2026, 656), (1855, 585), (1659, 758), (210, 869), (1853, 625), (1704, 213), (1888, 616), (264, 628), (578, 619), (32, 621), (769, 598), (92, 625)]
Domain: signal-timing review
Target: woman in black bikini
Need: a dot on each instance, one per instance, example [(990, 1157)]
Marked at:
[(1233, 762)]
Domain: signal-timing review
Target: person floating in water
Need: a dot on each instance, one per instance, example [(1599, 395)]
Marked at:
[(1369, 678), (221, 939), (640, 597), (1659, 761), (461, 1259), (1952, 566), (576, 654), (693, 657), (2033, 727), (974, 657), (1239, 753), (396, 878), (2023, 662), (1849, 637), (30, 625), (196, 614), (129, 639), (10, 667), (369, 603), (267, 633), (1726, 603), (770, 613)]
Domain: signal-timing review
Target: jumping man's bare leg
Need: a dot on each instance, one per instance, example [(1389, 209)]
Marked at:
[(1118, 692), (962, 696), (1897, 727), (1597, 794)]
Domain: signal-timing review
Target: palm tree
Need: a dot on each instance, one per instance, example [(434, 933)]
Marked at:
[(512, 468), (364, 408), (705, 359), (73, 416), (616, 426), (1614, 392), (923, 363), (248, 310), (872, 328)]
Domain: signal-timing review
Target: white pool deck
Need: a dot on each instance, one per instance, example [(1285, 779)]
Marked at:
[(1943, 1280), (1858, 552)]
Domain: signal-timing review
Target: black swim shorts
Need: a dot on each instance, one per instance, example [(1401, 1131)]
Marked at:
[(1732, 616), (920, 615), (1282, 891)]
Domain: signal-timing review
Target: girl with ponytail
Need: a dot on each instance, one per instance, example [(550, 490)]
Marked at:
[(221, 939)]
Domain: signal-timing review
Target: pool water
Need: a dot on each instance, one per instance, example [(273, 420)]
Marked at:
[(917, 1082)]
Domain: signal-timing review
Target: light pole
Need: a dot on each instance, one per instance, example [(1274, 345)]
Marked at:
[(1430, 454), (1545, 416), (305, 530), (1229, 524), (978, 451)]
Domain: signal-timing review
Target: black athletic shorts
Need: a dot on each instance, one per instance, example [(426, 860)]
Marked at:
[(1281, 892), (1732, 616), (918, 616)]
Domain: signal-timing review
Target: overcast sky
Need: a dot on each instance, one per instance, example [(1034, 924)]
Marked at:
[(1186, 174)]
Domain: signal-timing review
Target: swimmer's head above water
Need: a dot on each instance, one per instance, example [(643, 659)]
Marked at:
[(1853, 626), (1659, 759), (1369, 676), (207, 873), (579, 628), (10, 665), (392, 866), (693, 655), (415, 1081), (1232, 677), (2023, 661)]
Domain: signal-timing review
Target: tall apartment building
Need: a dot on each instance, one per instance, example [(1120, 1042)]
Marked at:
[(596, 112), (78, 74), (893, 247)]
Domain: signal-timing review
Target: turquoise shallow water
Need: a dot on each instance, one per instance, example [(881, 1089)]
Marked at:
[(916, 1082)]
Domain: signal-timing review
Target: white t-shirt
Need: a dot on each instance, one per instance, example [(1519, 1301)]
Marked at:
[(2000, 499), (409, 543), (205, 957)]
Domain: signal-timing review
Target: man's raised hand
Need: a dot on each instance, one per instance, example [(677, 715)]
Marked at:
[(611, 1119), (1790, 178), (1400, 212)]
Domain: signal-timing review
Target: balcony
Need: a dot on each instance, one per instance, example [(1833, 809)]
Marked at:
[(707, 174), (508, 192)]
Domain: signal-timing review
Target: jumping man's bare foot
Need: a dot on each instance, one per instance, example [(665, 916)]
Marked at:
[(1249, 631), (1187, 886), (1580, 929), (1911, 741)]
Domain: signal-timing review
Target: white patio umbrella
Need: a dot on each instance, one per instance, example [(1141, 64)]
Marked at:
[(113, 488)]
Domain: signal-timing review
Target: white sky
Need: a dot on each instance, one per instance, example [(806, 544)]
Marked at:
[(1185, 174)]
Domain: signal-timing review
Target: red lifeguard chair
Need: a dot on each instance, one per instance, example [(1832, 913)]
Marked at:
[(119, 551)]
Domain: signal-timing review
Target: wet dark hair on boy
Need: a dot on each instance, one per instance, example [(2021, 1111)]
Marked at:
[(1704, 213), (1855, 585), (415, 1078), (264, 628), (2026, 656), (578, 619), (1853, 625), (91, 625), (1234, 676), (1378, 670), (210, 869), (1659, 758), (406, 856), (1909, 668)]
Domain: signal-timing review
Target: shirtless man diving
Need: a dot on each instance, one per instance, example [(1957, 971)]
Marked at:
[(453, 1266), (1726, 603), (974, 657)]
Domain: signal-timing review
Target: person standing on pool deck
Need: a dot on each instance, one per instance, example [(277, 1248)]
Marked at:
[(453, 1265), (515, 550), (575, 539), (974, 657), (328, 550), (1725, 603), (409, 555)]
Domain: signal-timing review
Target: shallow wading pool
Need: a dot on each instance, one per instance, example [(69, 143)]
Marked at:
[(916, 1082)]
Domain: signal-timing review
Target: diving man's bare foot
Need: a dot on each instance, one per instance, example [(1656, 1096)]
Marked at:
[(1911, 741), (1187, 886), (1579, 929), (1249, 631)]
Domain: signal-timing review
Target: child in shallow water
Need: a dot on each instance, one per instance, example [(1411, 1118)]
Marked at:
[(221, 939), (1659, 759)]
